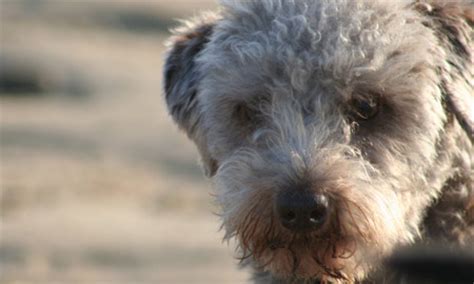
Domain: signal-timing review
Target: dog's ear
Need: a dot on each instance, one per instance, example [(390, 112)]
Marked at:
[(453, 23), (181, 82)]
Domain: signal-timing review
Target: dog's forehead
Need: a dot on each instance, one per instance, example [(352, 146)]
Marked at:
[(306, 44)]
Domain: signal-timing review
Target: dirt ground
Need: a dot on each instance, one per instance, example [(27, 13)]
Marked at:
[(96, 183)]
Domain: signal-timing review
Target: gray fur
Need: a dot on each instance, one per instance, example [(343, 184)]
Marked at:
[(266, 89)]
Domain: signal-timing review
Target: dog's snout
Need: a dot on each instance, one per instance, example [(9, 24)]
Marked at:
[(301, 211)]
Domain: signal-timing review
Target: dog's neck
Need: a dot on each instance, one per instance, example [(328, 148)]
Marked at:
[(448, 219)]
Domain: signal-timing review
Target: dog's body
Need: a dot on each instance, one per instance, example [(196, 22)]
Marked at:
[(335, 131)]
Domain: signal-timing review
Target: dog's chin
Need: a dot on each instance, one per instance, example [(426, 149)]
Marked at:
[(305, 258)]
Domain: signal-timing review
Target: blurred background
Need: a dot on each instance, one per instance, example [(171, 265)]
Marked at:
[(96, 183)]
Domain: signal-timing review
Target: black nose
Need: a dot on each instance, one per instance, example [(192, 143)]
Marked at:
[(301, 211)]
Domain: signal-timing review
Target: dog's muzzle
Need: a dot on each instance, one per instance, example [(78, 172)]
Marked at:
[(301, 211)]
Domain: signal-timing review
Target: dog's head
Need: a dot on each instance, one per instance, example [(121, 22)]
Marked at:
[(329, 127)]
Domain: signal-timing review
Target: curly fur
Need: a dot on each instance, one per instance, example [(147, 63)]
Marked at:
[(264, 88)]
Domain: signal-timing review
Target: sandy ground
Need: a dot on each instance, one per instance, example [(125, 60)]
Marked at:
[(97, 185)]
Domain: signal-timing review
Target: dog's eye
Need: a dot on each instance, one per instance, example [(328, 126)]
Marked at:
[(243, 114), (364, 109)]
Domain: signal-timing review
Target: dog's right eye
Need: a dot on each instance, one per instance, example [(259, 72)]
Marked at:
[(364, 109), (244, 115)]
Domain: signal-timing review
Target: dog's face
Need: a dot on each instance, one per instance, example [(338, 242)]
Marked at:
[(321, 124)]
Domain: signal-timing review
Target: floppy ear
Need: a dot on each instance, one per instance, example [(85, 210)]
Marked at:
[(181, 82), (453, 23)]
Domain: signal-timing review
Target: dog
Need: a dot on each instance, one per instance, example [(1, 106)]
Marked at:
[(335, 131)]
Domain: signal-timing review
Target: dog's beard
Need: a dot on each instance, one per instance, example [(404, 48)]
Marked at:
[(364, 224), (328, 253), (340, 250)]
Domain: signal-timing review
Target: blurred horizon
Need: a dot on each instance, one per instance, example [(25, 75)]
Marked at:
[(97, 185)]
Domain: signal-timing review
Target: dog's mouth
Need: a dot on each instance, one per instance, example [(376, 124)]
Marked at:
[(348, 226), (304, 256), (329, 253)]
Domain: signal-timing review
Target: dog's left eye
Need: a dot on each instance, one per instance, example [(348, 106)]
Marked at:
[(244, 115), (364, 109)]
